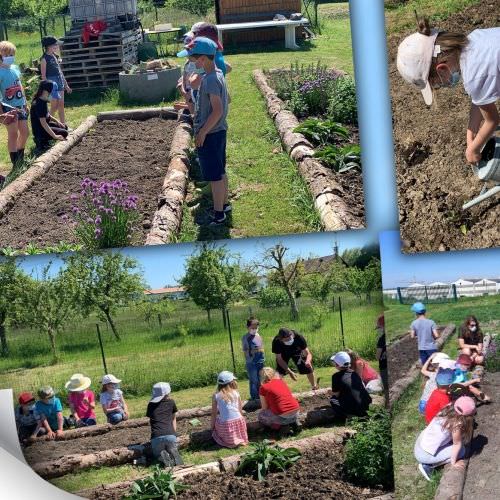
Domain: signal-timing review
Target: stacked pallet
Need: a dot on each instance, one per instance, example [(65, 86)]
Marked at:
[(98, 62)]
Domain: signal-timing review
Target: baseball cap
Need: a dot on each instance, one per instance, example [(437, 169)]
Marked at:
[(209, 31), (414, 61), (225, 377), (465, 405), (341, 358), (46, 392), (109, 379), (160, 390), (200, 46), (25, 398), (47, 41), (418, 308), (464, 359), (444, 376)]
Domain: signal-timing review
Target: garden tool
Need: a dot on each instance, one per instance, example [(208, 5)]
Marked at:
[(488, 170)]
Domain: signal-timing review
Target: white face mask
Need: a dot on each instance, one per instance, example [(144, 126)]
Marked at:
[(8, 60), (289, 341), (253, 331), (472, 328)]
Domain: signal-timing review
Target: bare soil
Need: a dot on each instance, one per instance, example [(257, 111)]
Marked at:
[(133, 151), (484, 467), (432, 175), (43, 451), (317, 475), (401, 356)]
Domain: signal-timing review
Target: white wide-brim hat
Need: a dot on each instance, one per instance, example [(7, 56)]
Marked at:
[(160, 390), (78, 382)]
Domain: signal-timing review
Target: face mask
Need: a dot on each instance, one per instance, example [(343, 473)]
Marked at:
[(289, 341), (253, 331), (472, 328), (455, 78), (8, 60)]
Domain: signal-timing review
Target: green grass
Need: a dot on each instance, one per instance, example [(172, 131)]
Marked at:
[(271, 197), (148, 353)]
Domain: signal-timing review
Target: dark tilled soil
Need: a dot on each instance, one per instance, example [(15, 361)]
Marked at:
[(432, 175), (134, 151), (401, 356), (50, 450), (483, 473), (317, 475)]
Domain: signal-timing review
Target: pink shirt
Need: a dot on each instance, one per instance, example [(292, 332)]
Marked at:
[(76, 400), (368, 372)]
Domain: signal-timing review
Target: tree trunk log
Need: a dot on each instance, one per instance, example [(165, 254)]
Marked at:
[(451, 486), (137, 114)]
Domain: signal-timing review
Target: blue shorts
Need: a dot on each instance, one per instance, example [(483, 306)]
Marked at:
[(421, 406), (57, 92), (426, 354), (212, 156)]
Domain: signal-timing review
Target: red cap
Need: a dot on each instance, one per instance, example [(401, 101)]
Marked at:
[(25, 398), (464, 359), (380, 321), (210, 31)]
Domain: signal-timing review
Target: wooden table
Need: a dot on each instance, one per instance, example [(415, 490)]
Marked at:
[(160, 32)]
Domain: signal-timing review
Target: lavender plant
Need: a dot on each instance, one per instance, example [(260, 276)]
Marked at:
[(492, 355), (104, 214)]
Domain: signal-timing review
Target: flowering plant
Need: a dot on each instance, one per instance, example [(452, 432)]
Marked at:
[(104, 213), (492, 355)]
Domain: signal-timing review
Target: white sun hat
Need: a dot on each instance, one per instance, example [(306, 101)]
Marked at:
[(160, 390), (414, 61), (341, 359), (77, 383), (109, 379)]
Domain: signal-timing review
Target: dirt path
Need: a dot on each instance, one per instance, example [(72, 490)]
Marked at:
[(432, 176), (133, 151), (483, 473)]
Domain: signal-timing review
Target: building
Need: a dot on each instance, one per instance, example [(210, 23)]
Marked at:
[(172, 293)]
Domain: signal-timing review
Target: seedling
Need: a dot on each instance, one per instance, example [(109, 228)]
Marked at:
[(161, 485), (341, 159), (322, 132)]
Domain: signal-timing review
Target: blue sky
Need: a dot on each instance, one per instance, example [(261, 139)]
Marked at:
[(165, 264), (400, 270)]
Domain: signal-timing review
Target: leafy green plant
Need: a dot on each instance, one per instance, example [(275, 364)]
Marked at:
[(342, 106), (340, 159), (272, 296), (322, 132), (161, 485), (265, 459), (319, 314), (368, 454)]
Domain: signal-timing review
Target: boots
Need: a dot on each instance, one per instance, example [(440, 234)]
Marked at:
[(13, 158), (170, 456)]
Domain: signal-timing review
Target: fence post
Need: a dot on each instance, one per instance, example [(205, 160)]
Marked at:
[(400, 296), (333, 303), (454, 288), (102, 348), (231, 340), (426, 294), (159, 320), (341, 324)]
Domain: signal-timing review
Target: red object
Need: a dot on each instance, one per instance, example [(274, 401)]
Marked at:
[(25, 398), (437, 401), (92, 30), (368, 374), (380, 321), (210, 31), (464, 359), (278, 397)]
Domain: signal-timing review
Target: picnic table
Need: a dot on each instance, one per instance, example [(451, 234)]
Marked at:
[(288, 25), (157, 32)]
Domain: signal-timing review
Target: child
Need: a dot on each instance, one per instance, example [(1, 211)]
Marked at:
[(50, 69), (210, 125), (381, 355), (210, 31), (429, 370), (189, 83), (49, 408), (253, 348), (463, 376), (44, 126), (349, 396), (26, 417), (279, 407), (81, 400), (426, 332), (12, 93), (371, 379), (431, 59), (470, 340), (113, 405), (440, 396), (229, 428), (444, 439), (161, 412)]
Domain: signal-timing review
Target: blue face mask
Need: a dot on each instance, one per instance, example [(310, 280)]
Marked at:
[(455, 78), (8, 60)]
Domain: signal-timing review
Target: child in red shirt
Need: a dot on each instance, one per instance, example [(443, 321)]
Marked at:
[(439, 397)]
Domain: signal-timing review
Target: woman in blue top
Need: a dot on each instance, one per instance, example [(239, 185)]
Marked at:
[(12, 94)]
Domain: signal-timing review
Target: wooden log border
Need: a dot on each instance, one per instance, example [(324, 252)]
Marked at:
[(328, 194)]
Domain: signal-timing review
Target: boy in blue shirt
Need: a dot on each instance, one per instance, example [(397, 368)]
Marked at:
[(12, 96), (426, 332), (49, 408), (210, 125)]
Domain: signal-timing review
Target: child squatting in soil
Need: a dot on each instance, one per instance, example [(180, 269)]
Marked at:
[(27, 418), (49, 409), (81, 400), (371, 379), (426, 332), (112, 401), (431, 59), (470, 340), (464, 377), (12, 94), (440, 396)]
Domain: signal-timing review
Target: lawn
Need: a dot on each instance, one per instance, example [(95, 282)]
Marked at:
[(269, 196)]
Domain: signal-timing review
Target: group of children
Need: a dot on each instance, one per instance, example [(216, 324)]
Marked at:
[(448, 400), (14, 106)]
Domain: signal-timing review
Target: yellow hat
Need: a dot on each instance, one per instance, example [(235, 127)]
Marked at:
[(77, 383)]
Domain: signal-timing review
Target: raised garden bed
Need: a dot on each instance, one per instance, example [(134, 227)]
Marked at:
[(337, 191), (145, 148)]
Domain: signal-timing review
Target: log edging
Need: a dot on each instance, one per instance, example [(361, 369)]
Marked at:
[(334, 212), (41, 165)]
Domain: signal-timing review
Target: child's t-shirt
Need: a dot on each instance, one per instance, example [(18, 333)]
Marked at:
[(353, 397), (480, 66), (460, 376), (76, 400), (10, 86), (26, 420), (254, 344), (228, 410), (39, 109), (112, 400), (161, 417), (423, 329), (211, 84), (437, 401), (430, 386), (49, 411)]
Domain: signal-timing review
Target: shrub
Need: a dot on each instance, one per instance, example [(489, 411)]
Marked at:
[(342, 106), (161, 485), (272, 296), (265, 459), (104, 214), (368, 454), (197, 7), (492, 355), (319, 314)]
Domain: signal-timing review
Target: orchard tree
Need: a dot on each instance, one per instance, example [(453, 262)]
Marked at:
[(150, 309), (318, 285), (42, 10), (364, 281), (103, 282)]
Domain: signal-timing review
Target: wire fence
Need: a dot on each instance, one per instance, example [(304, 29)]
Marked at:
[(438, 293), (186, 348)]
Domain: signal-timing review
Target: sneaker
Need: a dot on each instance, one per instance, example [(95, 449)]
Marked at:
[(166, 459), (425, 470), (217, 221), (226, 209)]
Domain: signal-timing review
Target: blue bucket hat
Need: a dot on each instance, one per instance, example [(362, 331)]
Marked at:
[(444, 376), (200, 46), (418, 308)]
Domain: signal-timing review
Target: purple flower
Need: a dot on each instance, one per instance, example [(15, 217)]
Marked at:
[(98, 220), (75, 210)]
